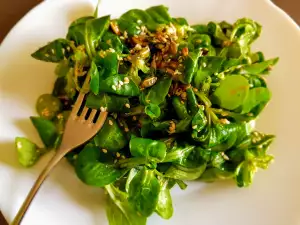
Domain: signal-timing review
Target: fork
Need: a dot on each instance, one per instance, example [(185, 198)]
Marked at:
[(78, 130)]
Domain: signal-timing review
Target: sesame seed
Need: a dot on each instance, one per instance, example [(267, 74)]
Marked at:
[(204, 64), (115, 161), (104, 150), (47, 55), (201, 107), (111, 50), (126, 129), (41, 100), (134, 118), (122, 38), (110, 122), (114, 87), (137, 27), (118, 155), (195, 89), (121, 124), (126, 80), (68, 48), (103, 109), (224, 121), (52, 51), (182, 102), (75, 157), (123, 157), (19, 145), (127, 105), (194, 127), (121, 82)]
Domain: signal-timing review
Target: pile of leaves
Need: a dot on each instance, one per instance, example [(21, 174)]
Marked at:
[(182, 101)]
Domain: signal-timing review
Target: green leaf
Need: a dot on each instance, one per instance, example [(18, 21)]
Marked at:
[(46, 129), (208, 66), (232, 92), (112, 103), (62, 68), (53, 52), (76, 31), (48, 106), (119, 199), (199, 121), (159, 91), (153, 111), (109, 63), (180, 108), (111, 137), (164, 206), (192, 101), (94, 29), (159, 14), (184, 173), (178, 153), (152, 149), (215, 30), (95, 78), (116, 85), (245, 173), (111, 40), (92, 172), (215, 174), (144, 191), (260, 67), (256, 96), (27, 151), (190, 66)]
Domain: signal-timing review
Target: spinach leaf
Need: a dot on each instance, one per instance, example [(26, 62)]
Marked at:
[(54, 52), (144, 191), (95, 78), (111, 137), (28, 152), (190, 66), (94, 29), (112, 103), (46, 129), (159, 14), (232, 92), (260, 67), (76, 30), (184, 173), (152, 149), (157, 93), (215, 174), (48, 106), (108, 62), (257, 96), (93, 172), (153, 111), (119, 199), (180, 108), (199, 121), (164, 206), (117, 84), (244, 173)]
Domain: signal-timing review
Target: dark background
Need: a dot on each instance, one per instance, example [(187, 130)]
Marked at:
[(13, 10)]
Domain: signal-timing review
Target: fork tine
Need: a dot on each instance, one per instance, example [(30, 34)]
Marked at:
[(92, 116), (83, 113), (100, 120), (77, 105)]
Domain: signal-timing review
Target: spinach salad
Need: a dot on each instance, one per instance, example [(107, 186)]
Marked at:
[(182, 101)]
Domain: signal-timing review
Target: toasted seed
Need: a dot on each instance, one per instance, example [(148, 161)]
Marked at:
[(134, 118), (127, 105), (173, 47), (148, 82), (126, 129), (123, 157), (194, 127), (118, 155), (185, 51), (126, 80), (110, 122), (104, 150), (224, 121), (115, 27), (183, 95), (114, 87)]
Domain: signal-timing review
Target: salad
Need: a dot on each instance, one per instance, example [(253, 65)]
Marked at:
[(182, 102)]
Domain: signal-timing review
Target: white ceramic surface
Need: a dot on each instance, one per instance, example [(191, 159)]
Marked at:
[(273, 199)]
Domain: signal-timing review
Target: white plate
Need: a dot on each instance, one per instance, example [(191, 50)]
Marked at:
[(273, 199)]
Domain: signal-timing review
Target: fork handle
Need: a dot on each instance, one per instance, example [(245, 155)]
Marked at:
[(43, 175)]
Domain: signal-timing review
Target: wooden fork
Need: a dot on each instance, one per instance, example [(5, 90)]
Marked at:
[(78, 130)]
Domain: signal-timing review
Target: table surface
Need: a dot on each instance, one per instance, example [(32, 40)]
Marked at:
[(13, 10)]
